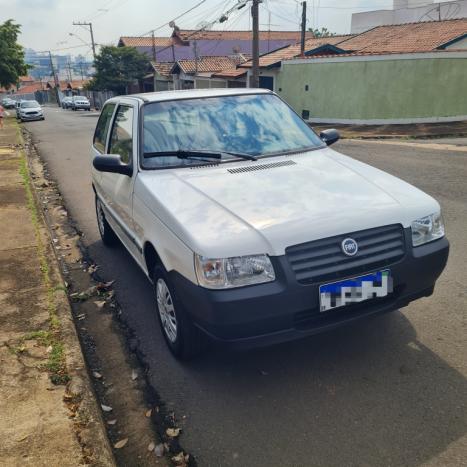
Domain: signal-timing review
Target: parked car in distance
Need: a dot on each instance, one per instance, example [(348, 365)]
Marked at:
[(80, 102), (17, 106), (67, 102), (30, 110), (8, 103), (251, 228)]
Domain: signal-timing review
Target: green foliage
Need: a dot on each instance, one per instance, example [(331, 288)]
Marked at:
[(323, 32), (118, 67), (12, 64)]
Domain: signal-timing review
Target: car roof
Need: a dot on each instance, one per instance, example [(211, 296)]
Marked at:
[(192, 94)]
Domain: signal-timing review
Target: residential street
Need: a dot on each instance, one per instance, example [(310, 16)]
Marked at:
[(388, 391)]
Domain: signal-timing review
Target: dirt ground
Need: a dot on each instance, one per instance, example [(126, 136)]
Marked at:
[(409, 131)]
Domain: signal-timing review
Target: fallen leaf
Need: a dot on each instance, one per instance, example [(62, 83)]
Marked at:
[(93, 268), (151, 446), (22, 438), (49, 349), (159, 450), (121, 443), (106, 408), (100, 304), (180, 459), (104, 285), (148, 413), (96, 374), (112, 422), (134, 375), (173, 432)]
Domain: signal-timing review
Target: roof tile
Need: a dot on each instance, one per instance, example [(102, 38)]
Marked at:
[(409, 37)]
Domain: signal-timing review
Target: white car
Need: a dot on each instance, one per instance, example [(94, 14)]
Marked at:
[(252, 230), (29, 111), (80, 102)]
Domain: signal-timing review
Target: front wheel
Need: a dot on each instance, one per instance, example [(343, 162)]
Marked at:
[(183, 338), (106, 232)]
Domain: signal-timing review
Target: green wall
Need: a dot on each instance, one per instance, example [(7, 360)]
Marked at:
[(383, 89)]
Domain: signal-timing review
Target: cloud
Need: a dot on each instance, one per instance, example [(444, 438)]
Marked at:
[(38, 3)]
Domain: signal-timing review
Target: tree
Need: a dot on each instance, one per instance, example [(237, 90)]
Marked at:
[(117, 68), (323, 32), (12, 64)]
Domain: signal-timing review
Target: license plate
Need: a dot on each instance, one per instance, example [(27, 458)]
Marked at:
[(357, 289)]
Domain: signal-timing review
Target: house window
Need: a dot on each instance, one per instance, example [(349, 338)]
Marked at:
[(306, 87)]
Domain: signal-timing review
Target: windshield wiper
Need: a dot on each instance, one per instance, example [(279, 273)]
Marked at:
[(189, 154)]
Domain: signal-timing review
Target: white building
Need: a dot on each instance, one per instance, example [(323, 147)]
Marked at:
[(409, 11)]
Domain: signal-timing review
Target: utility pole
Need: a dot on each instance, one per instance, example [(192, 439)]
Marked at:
[(81, 69), (254, 82), (302, 39), (195, 50), (89, 25), (153, 46), (70, 75), (56, 82)]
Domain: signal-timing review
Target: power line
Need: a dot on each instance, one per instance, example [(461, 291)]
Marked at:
[(177, 17)]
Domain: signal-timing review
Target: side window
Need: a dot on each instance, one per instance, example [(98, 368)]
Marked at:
[(121, 138), (102, 128)]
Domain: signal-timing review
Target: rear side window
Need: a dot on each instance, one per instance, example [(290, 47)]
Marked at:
[(102, 128), (121, 138)]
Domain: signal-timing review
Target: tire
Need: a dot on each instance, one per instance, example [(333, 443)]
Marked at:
[(184, 340), (109, 238)]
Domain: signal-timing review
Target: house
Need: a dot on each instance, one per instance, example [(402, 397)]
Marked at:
[(189, 44), (402, 73), (196, 44), (269, 63), (201, 73)]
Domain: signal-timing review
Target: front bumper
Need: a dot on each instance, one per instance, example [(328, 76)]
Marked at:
[(82, 106), (285, 310), (31, 118)]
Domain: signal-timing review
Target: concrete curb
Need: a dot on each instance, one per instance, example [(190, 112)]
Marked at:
[(88, 423)]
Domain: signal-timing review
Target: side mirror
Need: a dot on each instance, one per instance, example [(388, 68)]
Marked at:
[(330, 136), (112, 163)]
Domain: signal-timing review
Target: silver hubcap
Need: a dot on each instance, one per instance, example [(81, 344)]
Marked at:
[(100, 218), (166, 310)]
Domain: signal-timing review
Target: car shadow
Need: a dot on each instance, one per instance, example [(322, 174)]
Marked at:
[(368, 393)]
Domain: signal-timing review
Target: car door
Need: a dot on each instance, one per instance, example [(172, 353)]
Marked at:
[(117, 189)]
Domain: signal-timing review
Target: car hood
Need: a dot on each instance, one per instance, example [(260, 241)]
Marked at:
[(264, 206), (31, 109)]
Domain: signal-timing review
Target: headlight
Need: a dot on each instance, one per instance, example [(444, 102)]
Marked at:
[(427, 229), (226, 273)]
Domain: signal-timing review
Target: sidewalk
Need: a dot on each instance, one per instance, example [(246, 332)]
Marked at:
[(48, 414), (407, 131)]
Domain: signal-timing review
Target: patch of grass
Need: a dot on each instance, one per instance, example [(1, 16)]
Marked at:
[(56, 363), (43, 337)]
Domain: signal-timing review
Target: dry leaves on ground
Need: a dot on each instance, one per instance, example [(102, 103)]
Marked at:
[(121, 443), (173, 432)]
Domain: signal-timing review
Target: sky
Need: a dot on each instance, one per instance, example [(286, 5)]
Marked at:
[(47, 24)]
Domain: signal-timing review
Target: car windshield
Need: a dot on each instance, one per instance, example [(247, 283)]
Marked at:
[(29, 104), (254, 124)]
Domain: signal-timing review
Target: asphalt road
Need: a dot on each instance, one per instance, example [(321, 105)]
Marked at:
[(388, 391)]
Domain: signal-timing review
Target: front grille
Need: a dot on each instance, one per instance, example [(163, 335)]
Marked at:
[(323, 259)]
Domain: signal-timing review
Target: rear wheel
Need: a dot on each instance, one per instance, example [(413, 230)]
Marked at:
[(106, 232), (183, 338)]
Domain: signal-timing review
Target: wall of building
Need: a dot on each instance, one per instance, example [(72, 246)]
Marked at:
[(378, 89), (429, 12)]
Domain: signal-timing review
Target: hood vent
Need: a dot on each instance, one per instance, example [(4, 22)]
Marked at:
[(254, 168)]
